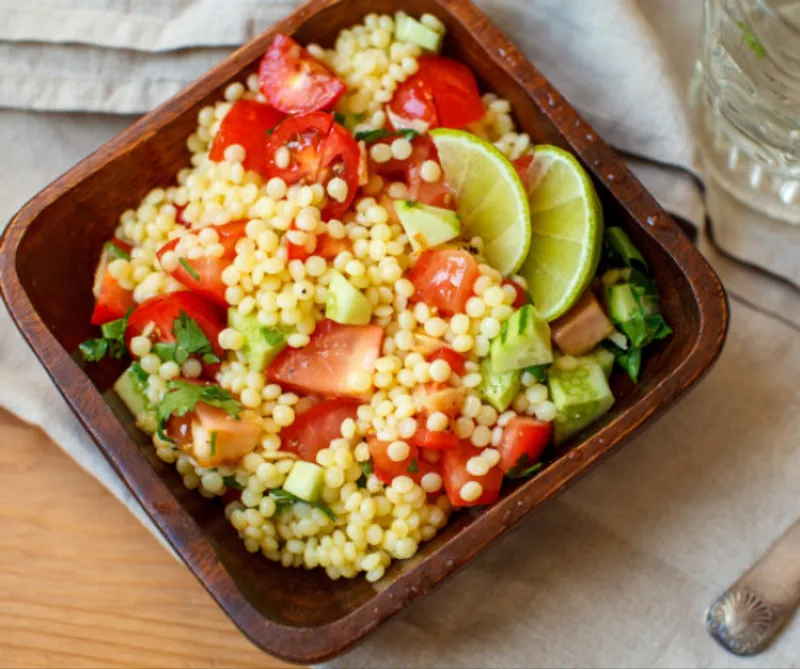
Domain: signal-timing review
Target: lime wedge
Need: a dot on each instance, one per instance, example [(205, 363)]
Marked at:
[(491, 199), (566, 232)]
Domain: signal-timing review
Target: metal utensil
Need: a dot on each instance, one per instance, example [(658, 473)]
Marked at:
[(751, 613)]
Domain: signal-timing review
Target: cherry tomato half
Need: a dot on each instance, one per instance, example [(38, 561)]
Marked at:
[(443, 278), (293, 81), (246, 124), (314, 429)]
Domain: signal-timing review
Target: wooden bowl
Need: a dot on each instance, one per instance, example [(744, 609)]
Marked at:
[(49, 252)]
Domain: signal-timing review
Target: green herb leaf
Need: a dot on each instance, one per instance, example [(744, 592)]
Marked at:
[(620, 249), (111, 344), (339, 118), (138, 371), (753, 43), (182, 397), (284, 500), (413, 467), (231, 482), (629, 359), (369, 136), (165, 351), (366, 472), (539, 372), (189, 340), (192, 272), (111, 249), (523, 468), (213, 444), (210, 358)]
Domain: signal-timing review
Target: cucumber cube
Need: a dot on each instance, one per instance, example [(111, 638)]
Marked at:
[(581, 395), (305, 481)]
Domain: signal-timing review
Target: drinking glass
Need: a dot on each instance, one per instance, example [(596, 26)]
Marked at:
[(745, 95)]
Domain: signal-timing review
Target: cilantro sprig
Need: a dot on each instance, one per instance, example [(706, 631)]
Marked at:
[(189, 340), (182, 397), (524, 469), (366, 472), (284, 500), (192, 271), (111, 344), (115, 251)]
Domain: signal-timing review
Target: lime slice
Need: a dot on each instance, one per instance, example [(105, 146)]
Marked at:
[(566, 232), (491, 199)]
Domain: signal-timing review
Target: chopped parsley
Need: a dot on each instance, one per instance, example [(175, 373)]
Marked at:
[(413, 467), (539, 372), (284, 500), (189, 340), (192, 271), (115, 251), (753, 43), (524, 469), (366, 472), (231, 482), (339, 118), (111, 344), (213, 444), (369, 136), (182, 397)]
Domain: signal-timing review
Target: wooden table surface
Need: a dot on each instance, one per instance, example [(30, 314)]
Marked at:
[(82, 584)]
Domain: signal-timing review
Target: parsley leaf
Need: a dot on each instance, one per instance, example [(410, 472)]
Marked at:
[(413, 467), (192, 272), (369, 136), (231, 482), (629, 360), (213, 444), (539, 372), (189, 340), (285, 500), (139, 372), (524, 468), (339, 118), (182, 397), (111, 344), (753, 43), (366, 472), (115, 251)]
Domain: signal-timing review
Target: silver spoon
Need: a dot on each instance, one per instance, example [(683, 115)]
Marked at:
[(749, 615)]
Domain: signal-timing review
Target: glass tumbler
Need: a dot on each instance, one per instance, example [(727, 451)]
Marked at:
[(745, 95)]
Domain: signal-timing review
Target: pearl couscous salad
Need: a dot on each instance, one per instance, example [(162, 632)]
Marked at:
[(367, 301)]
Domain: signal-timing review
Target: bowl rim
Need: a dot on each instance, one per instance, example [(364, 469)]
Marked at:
[(315, 644)]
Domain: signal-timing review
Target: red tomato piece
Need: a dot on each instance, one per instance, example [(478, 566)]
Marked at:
[(112, 301), (314, 429), (208, 281), (443, 440), (442, 89), (164, 309), (522, 297), (327, 364), (443, 278), (319, 150), (436, 194), (293, 81), (524, 441), (386, 469), (455, 360), (455, 475), (246, 124), (327, 247), (179, 219), (413, 101)]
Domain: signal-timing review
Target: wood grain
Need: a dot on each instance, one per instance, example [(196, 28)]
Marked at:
[(83, 584), (296, 614)]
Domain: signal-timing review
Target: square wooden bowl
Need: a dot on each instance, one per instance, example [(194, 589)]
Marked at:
[(47, 259)]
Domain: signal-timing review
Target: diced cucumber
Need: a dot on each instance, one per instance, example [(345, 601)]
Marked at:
[(131, 388), (407, 29), (346, 304), (499, 390), (524, 341), (622, 246), (262, 343), (626, 312), (603, 357), (305, 481), (581, 395), (427, 226)]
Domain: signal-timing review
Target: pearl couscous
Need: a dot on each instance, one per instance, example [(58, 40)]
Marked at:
[(306, 353)]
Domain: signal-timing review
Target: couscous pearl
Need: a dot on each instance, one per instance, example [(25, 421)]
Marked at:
[(192, 368), (546, 411), (140, 346), (472, 380), (477, 466), (481, 436), (439, 371), (398, 451), (536, 394), (150, 363), (282, 158), (283, 415), (401, 149), (430, 171), (464, 427), (380, 153), (566, 362), (471, 491), (487, 415), (169, 370), (337, 189), (437, 422)]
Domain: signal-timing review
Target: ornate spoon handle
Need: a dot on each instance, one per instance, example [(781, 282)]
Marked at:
[(747, 617)]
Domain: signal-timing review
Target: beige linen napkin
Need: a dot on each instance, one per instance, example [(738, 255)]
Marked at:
[(617, 571)]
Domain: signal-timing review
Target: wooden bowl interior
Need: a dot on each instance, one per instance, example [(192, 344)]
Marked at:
[(57, 256)]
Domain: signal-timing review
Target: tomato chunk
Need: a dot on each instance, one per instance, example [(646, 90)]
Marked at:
[(439, 440), (386, 469), (455, 475), (443, 92), (205, 276), (164, 309), (456, 361), (314, 429), (443, 278), (327, 366), (522, 297), (327, 247), (293, 81), (246, 124), (112, 301), (524, 441), (220, 439), (319, 150)]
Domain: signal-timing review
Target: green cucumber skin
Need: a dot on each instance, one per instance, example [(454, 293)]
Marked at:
[(262, 344), (346, 304), (581, 396), (524, 341), (133, 394), (499, 389), (305, 481)]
